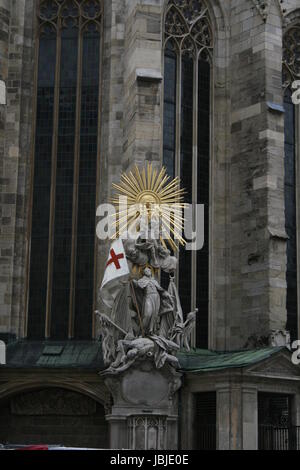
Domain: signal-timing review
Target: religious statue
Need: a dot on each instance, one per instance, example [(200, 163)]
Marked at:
[(145, 321), (154, 301), (181, 332)]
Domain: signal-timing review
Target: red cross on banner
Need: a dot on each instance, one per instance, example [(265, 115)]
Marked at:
[(115, 259), (116, 268)]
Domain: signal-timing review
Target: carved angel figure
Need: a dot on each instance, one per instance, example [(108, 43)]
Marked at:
[(153, 301), (134, 350), (134, 254), (166, 262)]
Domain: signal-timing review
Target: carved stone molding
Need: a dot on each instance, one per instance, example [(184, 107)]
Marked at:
[(291, 55), (145, 386), (145, 407), (279, 366), (95, 391), (292, 18), (188, 26), (69, 12), (264, 6), (52, 402), (147, 432)]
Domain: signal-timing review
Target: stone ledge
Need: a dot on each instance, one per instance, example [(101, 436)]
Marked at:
[(148, 75)]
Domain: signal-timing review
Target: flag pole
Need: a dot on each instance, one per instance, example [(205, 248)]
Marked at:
[(137, 308)]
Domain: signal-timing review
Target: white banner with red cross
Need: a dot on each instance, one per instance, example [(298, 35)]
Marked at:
[(116, 269)]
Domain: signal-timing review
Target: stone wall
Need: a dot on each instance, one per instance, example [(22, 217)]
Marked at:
[(248, 241), (5, 252), (112, 110), (257, 168), (15, 146)]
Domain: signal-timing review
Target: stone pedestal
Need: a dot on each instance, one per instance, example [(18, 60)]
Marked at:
[(144, 414)]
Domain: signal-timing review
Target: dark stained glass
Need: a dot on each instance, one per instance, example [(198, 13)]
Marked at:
[(87, 186), (169, 143), (186, 171), (65, 274), (42, 186), (203, 198), (64, 186), (170, 84), (290, 214)]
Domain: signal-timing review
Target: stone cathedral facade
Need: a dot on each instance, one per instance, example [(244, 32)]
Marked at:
[(88, 89)]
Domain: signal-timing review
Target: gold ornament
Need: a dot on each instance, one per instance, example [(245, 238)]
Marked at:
[(153, 195)]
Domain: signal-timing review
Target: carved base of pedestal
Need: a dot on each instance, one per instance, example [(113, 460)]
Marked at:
[(144, 414)]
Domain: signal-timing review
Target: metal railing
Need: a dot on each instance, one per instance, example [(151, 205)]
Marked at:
[(206, 438), (278, 438)]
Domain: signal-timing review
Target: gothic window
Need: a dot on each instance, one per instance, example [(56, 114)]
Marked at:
[(186, 143), (291, 73), (147, 432), (61, 265)]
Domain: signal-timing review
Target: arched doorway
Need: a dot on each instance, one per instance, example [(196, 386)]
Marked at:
[(53, 416)]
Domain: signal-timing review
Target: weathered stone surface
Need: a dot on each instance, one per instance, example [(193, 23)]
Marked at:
[(248, 238), (144, 397), (248, 264)]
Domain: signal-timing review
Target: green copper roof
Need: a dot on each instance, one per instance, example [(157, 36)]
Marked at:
[(203, 361), (88, 355), (58, 354)]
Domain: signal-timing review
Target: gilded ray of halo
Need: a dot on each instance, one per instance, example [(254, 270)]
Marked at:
[(175, 182), (171, 185), (136, 182), (139, 178), (176, 211), (154, 190), (171, 192), (174, 197), (177, 220), (121, 229), (154, 177), (124, 191), (177, 228), (127, 180), (159, 179), (174, 233)]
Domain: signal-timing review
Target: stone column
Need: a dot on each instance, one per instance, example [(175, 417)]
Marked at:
[(223, 419), (118, 436), (187, 416), (17, 65), (296, 410), (250, 419), (258, 235), (145, 411), (237, 427), (5, 16), (143, 62), (112, 113)]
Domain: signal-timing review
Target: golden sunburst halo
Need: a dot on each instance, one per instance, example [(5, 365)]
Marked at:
[(150, 193)]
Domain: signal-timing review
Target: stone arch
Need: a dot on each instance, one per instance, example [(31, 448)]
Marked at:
[(292, 18), (97, 392), (291, 33), (216, 11), (68, 413)]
